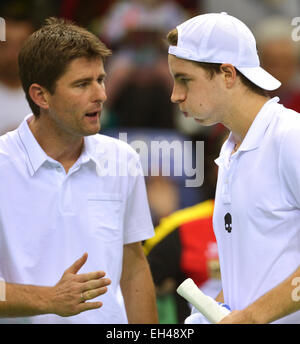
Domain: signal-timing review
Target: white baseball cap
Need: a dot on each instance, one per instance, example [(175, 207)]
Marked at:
[(221, 38)]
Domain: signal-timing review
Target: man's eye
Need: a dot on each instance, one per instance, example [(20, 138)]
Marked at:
[(183, 80), (82, 85), (100, 81)]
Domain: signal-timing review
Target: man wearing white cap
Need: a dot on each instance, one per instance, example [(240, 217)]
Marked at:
[(218, 79)]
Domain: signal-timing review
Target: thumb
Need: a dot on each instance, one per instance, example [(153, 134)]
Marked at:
[(76, 266)]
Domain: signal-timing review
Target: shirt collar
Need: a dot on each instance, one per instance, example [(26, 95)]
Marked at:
[(34, 153), (92, 152), (254, 135), (36, 156), (259, 126)]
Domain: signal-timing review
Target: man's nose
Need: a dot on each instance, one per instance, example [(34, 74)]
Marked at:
[(177, 96), (99, 93)]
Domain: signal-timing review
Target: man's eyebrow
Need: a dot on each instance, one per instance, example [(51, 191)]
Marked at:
[(89, 79), (180, 75)]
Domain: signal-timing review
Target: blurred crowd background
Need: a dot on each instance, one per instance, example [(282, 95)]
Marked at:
[(139, 87)]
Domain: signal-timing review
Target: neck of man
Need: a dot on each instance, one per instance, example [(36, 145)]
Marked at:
[(242, 112), (65, 149)]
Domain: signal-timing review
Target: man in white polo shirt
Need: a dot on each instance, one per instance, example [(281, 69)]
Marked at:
[(71, 199), (217, 79)]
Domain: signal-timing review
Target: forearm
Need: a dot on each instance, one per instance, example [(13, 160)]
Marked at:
[(70, 296), (139, 298), (24, 300), (138, 289), (275, 304)]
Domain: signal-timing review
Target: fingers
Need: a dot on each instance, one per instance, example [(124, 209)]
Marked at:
[(95, 284), (93, 289), (82, 307), (76, 266), (73, 290), (90, 276), (91, 294)]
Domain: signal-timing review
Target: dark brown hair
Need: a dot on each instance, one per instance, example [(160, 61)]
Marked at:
[(214, 68), (47, 53)]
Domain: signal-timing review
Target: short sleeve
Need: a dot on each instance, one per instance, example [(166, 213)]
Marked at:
[(289, 166), (138, 224)]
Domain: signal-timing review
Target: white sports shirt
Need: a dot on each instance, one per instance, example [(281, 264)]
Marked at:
[(48, 218), (257, 207)]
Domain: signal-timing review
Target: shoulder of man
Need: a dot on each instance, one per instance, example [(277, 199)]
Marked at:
[(10, 152), (286, 121), (7, 142)]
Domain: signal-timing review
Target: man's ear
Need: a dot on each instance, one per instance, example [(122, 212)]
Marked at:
[(39, 95), (229, 74)]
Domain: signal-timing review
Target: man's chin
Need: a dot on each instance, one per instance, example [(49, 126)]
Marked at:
[(204, 122), (92, 131)]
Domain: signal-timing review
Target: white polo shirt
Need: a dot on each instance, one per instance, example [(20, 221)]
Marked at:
[(48, 218), (257, 208)]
